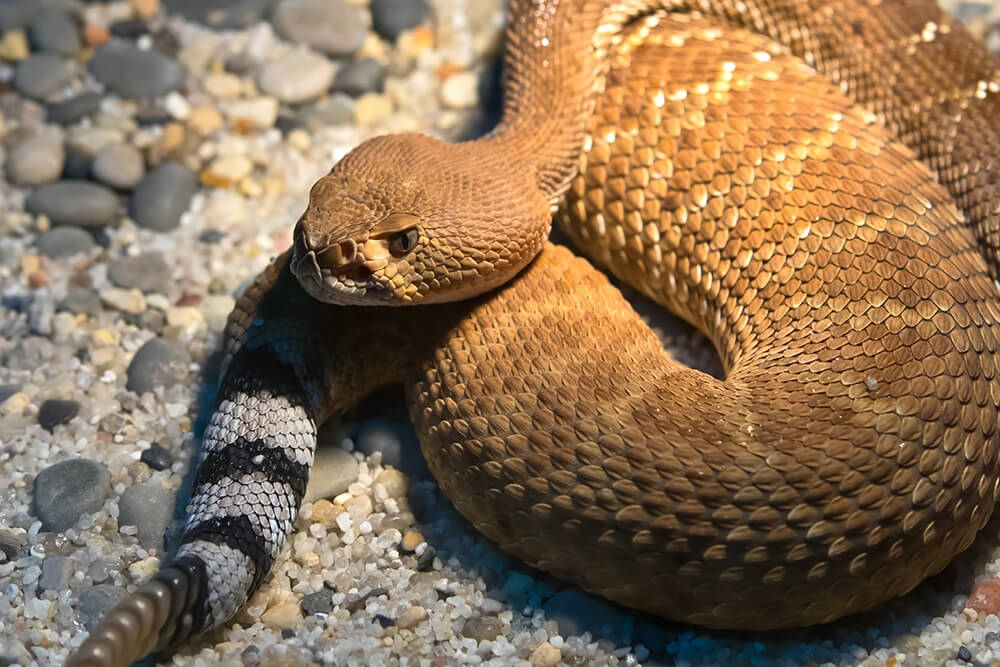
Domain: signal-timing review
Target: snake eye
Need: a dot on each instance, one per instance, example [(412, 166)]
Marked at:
[(404, 241)]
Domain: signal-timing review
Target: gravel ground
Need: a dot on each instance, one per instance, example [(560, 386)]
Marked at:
[(154, 160)]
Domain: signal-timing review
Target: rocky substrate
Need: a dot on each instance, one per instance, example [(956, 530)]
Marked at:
[(154, 159)]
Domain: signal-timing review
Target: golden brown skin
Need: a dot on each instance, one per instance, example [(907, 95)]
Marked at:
[(852, 449)]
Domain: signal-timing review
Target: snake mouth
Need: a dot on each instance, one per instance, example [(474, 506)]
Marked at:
[(354, 285)]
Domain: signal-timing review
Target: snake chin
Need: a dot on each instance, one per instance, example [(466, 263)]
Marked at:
[(359, 288)]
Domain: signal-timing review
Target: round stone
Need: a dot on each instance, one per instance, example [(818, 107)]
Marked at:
[(337, 109), (148, 506), (35, 160), (334, 27), (359, 77), (17, 13), (76, 203), (132, 72), (119, 165), (460, 91), (81, 300), (158, 363), (65, 491), (157, 458), (334, 469), (41, 75), (73, 109), (320, 602), (148, 272), (64, 242), (162, 196), (297, 76), (391, 17), (54, 412), (220, 14), (53, 30)]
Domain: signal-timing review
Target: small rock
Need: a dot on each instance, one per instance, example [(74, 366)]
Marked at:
[(259, 113), (359, 77), (41, 75), (384, 621), (53, 31), (56, 573), (223, 85), (282, 616), (126, 300), (391, 17), (169, 146), (545, 655), (220, 14), (8, 390), (232, 168), (95, 602), (145, 568), (65, 491), (119, 165), (964, 654), (81, 301), (297, 76), (320, 602), (158, 363), (184, 317), (482, 628), (132, 72), (15, 404), (177, 106), (334, 27), (77, 203), (204, 121), (411, 540), (333, 471), (577, 612), (460, 91), (17, 13), (13, 545), (371, 108), (73, 109), (147, 272), (162, 197), (324, 512), (157, 458), (145, 9), (35, 160), (148, 506), (985, 597), (95, 35), (54, 412), (64, 242), (337, 109), (102, 568), (14, 45), (411, 617), (425, 561)]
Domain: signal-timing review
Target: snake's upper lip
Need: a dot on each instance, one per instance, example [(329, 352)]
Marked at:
[(308, 268)]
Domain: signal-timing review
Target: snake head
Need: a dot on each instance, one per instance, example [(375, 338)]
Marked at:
[(407, 219)]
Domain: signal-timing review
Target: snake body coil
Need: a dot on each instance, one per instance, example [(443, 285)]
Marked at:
[(852, 449)]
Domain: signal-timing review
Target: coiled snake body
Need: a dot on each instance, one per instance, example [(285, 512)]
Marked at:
[(851, 450)]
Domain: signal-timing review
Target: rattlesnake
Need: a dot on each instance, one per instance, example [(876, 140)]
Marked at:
[(851, 450)]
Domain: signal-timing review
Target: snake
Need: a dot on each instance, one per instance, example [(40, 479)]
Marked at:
[(813, 184)]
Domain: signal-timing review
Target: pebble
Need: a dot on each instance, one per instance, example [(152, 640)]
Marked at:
[(259, 113), (545, 655), (73, 109), (297, 76), (320, 602), (482, 628), (184, 317), (148, 506), (411, 540), (162, 197), (8, 390), (324, 512), (333, 471), (158, 363), (232, 168), (223, 85), (411, 617), (53, 30), (204, 121), (337, 109), (14, 45), (95, 602), (370, 108), (460, 90), (54, 412), (985, 597), (132, 72), (157, 458), (359, 77), (17, 13), (74, 202), (56, 573), (392, 17), (220, 14), (126, 300), (119, 165), (81, 301), (15, 404), (147, 272), (41, 75), (35, 160), (282, 616), (66, 490), (335, 27), (145, 9), (64, 242), (577, 612)]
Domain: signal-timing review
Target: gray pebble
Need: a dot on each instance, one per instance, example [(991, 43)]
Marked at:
[(162, 196), (482, 628), (119, 165), (220, 14), (73, 109), (64, 242), (35, 160), (157, 458), (359, 77), (95, 602), (148, 506), (65, 491), (398, 443), (13, 545), (8, 390), (334, 469), (297, 76), (337, 109), (320, 602), (54, 31), (102, 568), (41, 75), (334, 27), (55, 412), (56, 572), (40, 314), (17, 13), (148, 272), (132, 72), (74, 203), (391, 17), (81, 301), (158, 363), (577, 612)]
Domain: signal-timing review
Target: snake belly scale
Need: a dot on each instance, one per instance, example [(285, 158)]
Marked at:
[(850, 452)]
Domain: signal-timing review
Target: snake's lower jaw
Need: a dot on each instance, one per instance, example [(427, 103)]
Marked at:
[(342, 290)]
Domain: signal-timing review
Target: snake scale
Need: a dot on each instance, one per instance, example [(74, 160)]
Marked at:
[(753, 166)]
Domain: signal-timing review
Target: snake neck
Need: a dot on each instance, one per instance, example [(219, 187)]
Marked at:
[(553, 68)]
